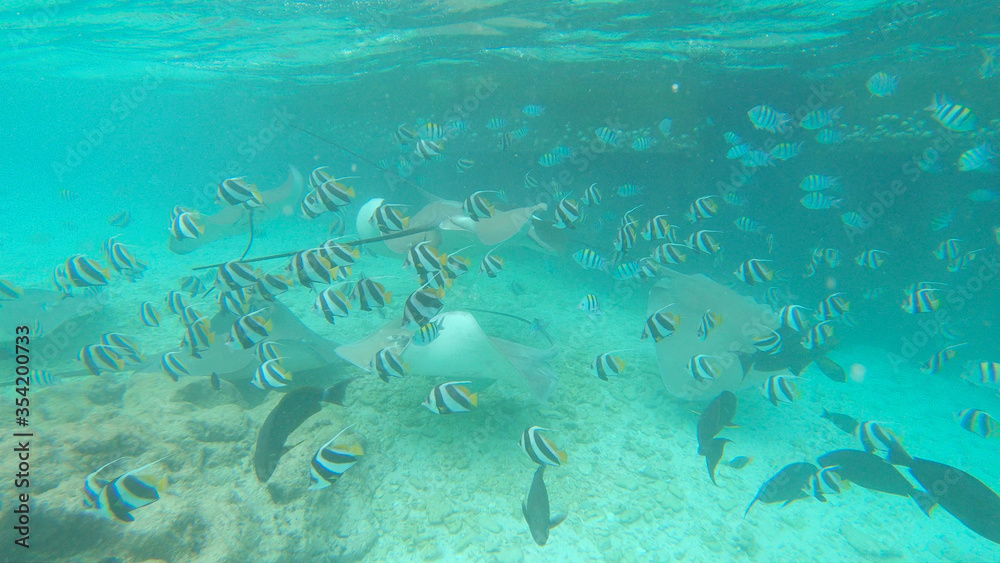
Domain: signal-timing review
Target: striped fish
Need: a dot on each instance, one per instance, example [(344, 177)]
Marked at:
[(249, 330), (333, 195), (984, 374), (590, 305), (567, 213), (84, 272), (235, 275), (491, 265), (625, 240), (780, 389), (421, 306), (978, 422), (703, 241), (270, 286), (427, 149), (385, 363), (130, 491), (793, 317), (592, 195), (769, 342), (607, 364), (149, 315), (172, 365), (97, 357), (310, 267), (875, 437), (451, 398), (331, 462), (660, 324), (709, 321), (670, 253), (977, 158), (754, 271), (185, 226), (267, 351), (703, 368), (872, 259), (331, 303), (820, 118), (833, 306), (882, 85), (270, 375), (388, 219), (950, 115), (427, 333), (938, 360), (540, 449), (818, 182), (235, 191), (659, 228), (477, 206), (767, 118), (92, 485), (589, 259), (818, 335), (370, 293)]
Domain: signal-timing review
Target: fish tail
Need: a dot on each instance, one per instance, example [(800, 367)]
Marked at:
[(897, 455)]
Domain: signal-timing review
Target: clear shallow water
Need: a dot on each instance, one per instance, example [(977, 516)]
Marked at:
[(145, 115)]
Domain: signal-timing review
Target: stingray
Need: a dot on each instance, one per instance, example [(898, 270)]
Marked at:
[(692, 295), (306, 354), (230, 220), (51, 317), (462, 351), (455, 228)]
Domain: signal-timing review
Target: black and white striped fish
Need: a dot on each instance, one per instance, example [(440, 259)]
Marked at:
[(173, 366), (130, 491), (309, 267), (607, 364), (84, 272), (270, 375), (98, 357), (477, 206), (450, 398), (235, 275), (331, 303), (370, 293), (567, 213), (149, 315), (330, 462), (540, 449), (421, 306), (780, 389), (385, 363), (660, 324), (248, 330), (703, 368), (427, 333), (491, 265)]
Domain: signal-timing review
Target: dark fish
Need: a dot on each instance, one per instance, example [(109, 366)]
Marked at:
[(786, 486), (216, 383), (536, 509), (962, 495), (842, 421), (713, 453), (740, 462), (291, 411), (718, 415), (831, 369), (875, 474)]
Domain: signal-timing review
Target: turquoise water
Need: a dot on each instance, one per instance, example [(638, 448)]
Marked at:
[(117, 114)]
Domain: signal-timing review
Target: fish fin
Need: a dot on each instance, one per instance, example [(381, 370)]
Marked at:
[(924, 500), (388, 297), (162, 484), (474, 400), (556, 520), (897, 455), (561, 455), (356, 449), (335, 393)]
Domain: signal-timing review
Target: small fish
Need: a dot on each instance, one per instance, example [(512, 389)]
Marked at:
[(270, 286), (818, 182), (173, 366), (978, 422), (186, 226), (825, 482), (530, 183), (984, 374), (738, 151), (740, 462), (842, 421), (819, 118), (703, 368), (402, 135), (477, 206), (629, 190), (84, 272), (235, 275), (830, 137), (120, 219), (983, 195), (625, 240), (660, 324), (748, 225), (703, 241), (793, 317), (370, 293), (249, 330), (780, 389), (785, 151), (767, 118), (670, 253), (754, 271), (832, 257), (97, 357), (93, 485), (267, 351), (817, 200), (533, 110), (130, 491), (592, 195), (385, 363), (977, 158), (643, 142), (464, 164), (450, 398), (833, 306), (215, 382), (426, 150), (950, 115), (427, 333), (589, 259), (236, 191), (270, 375), (540, 449), (709, 321), (659, 228), (495, 123), (332, 303), (665, 125), (732, 138), (590, 305), (421, 306), (768, 343), (331, 462), (936, 363), (703, 208), (431, 131), (854, 219), (491, 265), (872, 259), (818, 336), (626, 271), (388, 219), (536, 509), (882, 85), (874, 437), (607, 364), (607, 135), (567, 213)]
